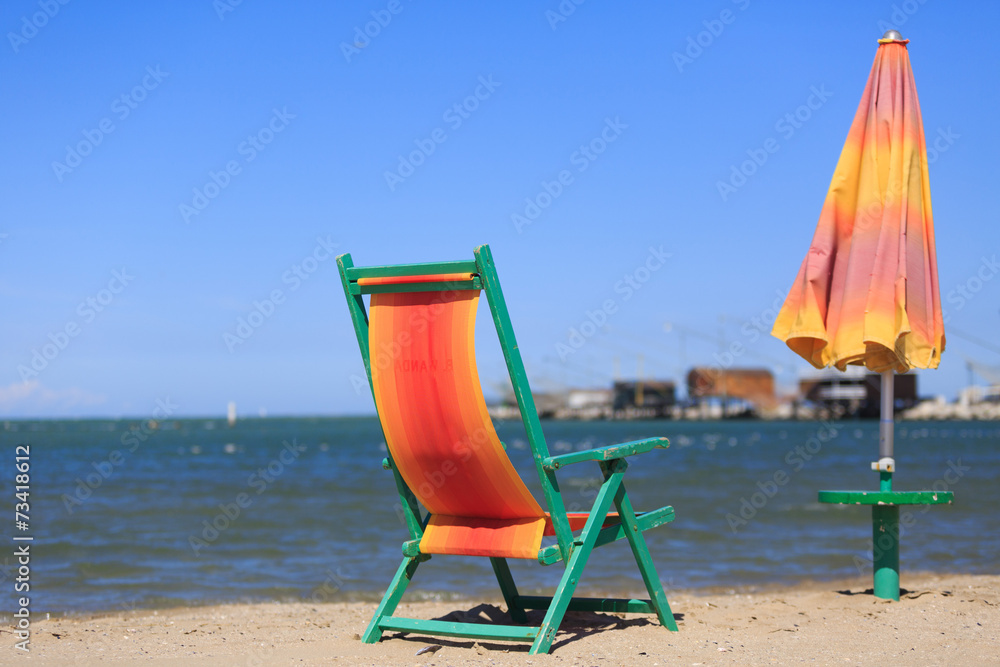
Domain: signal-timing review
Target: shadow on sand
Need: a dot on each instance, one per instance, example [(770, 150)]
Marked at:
[(575, 625)]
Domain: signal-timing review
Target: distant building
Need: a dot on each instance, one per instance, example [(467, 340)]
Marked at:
[(751, 387), (857, 393), (582, 399), (644, 398), (547, 405), (974, 402), (587, 404), (977, 394)]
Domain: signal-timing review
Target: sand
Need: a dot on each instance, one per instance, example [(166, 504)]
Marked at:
[(940, 620)]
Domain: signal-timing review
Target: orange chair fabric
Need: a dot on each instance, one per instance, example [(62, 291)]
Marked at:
[(426, 386)]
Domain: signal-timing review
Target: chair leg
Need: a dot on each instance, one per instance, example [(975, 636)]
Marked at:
[(391, 598), (644, 560), (509, 590), (577, 561), (560, 601)]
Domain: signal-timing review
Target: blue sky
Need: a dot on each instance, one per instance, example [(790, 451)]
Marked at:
[(171, 168)]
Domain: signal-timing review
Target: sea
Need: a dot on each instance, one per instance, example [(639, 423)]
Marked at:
[(126, 514)]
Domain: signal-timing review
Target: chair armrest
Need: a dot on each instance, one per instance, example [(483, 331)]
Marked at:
[(608, 453)]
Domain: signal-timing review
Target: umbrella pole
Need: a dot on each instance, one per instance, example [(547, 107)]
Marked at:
[(886, 463), (885, 518)]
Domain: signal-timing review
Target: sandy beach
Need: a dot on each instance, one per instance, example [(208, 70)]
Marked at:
[(940, 620)]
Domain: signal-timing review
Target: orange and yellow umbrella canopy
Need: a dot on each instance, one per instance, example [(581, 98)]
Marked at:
[(867, 291)]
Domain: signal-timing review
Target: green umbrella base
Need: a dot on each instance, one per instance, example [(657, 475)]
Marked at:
[(885, 528)]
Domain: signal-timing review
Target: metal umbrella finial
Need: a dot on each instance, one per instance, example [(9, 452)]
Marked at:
[(892, 34)]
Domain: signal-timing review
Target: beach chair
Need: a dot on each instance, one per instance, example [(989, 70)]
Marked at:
[(417, 343)]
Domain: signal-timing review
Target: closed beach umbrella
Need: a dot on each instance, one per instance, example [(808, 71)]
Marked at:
[(867, 291)]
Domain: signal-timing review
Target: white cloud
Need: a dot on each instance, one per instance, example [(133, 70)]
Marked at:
[(33, 398)]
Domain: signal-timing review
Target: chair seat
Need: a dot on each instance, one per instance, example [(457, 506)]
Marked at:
[(473, 536), (496, 538)]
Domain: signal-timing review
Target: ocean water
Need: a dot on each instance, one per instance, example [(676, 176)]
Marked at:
[(196, 512)]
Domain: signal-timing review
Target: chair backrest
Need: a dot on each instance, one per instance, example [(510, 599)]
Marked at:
[(418, 344), (428, 396)]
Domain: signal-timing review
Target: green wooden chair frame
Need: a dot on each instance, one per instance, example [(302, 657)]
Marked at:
[(571, 549)]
